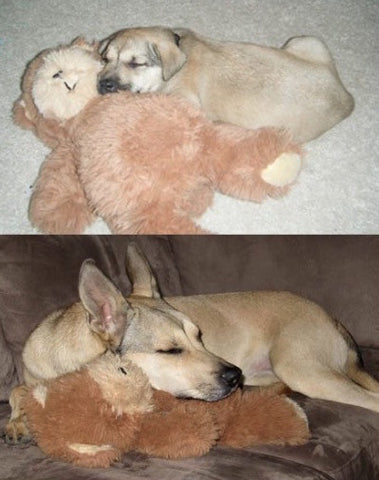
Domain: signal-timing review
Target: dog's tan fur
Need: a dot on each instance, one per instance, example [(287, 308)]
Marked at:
[(272, 336), (295, 87)]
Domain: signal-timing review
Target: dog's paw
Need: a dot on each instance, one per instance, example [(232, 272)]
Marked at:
[(283, 170), (16, 431)]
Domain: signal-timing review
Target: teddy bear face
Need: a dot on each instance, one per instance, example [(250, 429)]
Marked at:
[(123, 385), (66, 82)]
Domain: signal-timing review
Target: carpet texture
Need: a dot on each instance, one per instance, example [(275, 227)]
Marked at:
[(338, 190)]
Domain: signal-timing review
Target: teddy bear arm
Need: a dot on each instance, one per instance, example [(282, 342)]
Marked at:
[(178, 433), (262, 163), (263, 418), (58, 204)]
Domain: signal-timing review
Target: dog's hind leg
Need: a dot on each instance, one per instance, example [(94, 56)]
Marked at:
[(355, 371), (317, 380)]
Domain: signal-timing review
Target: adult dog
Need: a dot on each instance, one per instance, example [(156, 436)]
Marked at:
[(179, 341), (296, 87)]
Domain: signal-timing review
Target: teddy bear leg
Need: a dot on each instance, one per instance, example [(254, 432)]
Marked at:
[(93, 456), (58, 204), (265, 419), (178, 433), (264, 163)]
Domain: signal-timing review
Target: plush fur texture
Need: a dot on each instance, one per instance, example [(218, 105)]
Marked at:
[(145, 163), (90, 417)]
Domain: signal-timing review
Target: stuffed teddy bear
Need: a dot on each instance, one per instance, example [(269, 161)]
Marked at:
[(145, 163), (91, 416)]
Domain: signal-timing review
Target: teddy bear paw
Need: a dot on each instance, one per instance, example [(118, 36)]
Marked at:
[(283, 170)]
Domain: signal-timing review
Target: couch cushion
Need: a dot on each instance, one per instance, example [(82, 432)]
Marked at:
[(39, 274), (343, 446), (341, 273)]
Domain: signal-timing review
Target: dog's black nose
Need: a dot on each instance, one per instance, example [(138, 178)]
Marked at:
[(231, 375), (107, 85)]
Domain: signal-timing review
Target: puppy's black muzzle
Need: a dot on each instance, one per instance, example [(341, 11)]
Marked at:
[(231, 376), (107, 85)]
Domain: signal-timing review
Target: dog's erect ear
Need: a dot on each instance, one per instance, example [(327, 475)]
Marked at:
[(170, 56), (105, 304), (141, 276)]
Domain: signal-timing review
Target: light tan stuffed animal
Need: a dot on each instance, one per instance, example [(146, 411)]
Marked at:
[(144, 163), (90, 417)]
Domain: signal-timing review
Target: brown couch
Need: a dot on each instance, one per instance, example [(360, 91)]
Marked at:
[(39, 274)]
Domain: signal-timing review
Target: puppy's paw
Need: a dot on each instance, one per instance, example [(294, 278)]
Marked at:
[(283, 171)]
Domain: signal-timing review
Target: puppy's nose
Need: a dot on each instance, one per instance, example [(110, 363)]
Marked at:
[(107, 85), (231, 375)]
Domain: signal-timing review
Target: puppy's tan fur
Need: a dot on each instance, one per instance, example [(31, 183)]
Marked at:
[(272, 336), (295, 87)]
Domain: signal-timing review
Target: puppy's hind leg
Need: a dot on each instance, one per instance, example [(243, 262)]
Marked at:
[(309, 48)]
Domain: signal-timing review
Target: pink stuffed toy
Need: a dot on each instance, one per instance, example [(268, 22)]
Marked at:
[(145, 163)]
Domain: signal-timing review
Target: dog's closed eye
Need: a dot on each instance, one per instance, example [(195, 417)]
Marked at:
[(134, 64), (122, 370), (58, 74)]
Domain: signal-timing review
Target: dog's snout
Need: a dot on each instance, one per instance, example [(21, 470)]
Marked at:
[(231, 376), (107, 85)]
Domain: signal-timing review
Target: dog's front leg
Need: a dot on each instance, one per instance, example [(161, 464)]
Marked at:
[(16, 430), (58, 204)]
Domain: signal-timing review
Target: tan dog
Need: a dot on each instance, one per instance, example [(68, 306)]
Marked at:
[(296, 87), (271, 336)]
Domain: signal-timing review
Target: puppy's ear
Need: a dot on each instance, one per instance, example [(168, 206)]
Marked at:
[(143, 281), (170, 57), (105, 304), (103, 44)]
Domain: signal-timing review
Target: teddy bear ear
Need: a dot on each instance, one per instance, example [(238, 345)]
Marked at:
[(82, 43)]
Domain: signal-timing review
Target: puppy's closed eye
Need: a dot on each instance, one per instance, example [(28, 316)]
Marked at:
[(171, 351)]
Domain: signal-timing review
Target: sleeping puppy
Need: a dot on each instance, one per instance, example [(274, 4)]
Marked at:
[(295, 87)]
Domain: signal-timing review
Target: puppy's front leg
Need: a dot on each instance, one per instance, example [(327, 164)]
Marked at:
[(16, 430)]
